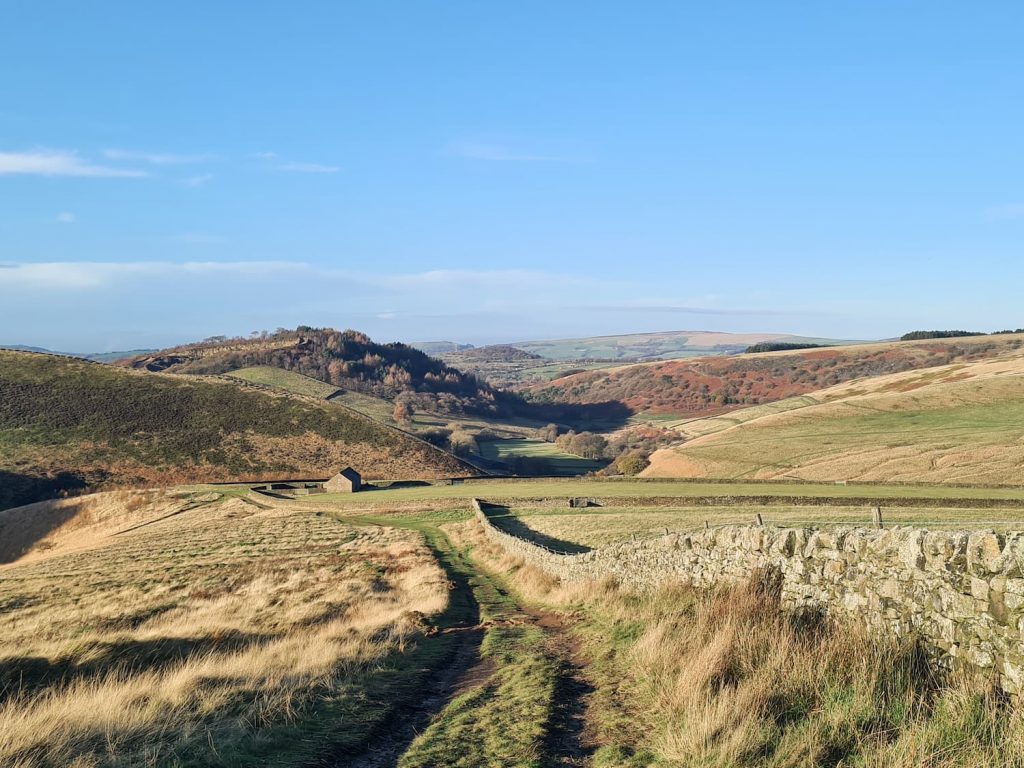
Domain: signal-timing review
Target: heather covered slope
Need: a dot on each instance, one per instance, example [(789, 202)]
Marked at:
[(961, 423), (718, 384), (66, 424)]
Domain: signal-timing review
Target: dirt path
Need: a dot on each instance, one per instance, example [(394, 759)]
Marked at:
[(570, 741), (462, 670)]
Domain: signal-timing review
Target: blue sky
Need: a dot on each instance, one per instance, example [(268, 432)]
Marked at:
[(498, 171)]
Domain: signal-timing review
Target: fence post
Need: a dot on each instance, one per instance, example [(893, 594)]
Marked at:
[(876, 516), (757, 520)]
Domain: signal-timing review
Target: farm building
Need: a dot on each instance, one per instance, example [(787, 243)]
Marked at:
[(346, 481)]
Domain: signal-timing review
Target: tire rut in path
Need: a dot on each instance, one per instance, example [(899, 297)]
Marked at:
[(463, 670), (569, 741)]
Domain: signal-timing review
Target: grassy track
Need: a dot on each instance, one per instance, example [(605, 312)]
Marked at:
[(507, 717), (289, 381)]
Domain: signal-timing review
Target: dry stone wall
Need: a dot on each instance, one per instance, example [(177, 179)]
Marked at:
[(962, 592)]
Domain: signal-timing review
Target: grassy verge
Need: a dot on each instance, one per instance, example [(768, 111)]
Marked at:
[(729, 680)]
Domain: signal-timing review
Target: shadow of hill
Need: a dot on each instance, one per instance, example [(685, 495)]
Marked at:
[(22, 529), (17, 489), (504, 520), (601, 417)]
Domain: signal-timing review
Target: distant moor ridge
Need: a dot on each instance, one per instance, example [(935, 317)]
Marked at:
[(715, 384)]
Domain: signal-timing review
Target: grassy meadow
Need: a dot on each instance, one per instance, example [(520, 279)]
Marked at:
[(958, 423), (194, 627), (556, 461), (217, 634)]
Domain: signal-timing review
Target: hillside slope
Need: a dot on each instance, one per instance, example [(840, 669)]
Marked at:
[(961, 423), (343, 359), (66, 424), (717, 384)]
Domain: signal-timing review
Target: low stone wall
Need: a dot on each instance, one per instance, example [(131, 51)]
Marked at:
[(962, 592)]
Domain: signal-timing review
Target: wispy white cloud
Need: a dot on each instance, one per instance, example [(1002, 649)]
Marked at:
[(264, 155), (69, 275), (197, 181), (65, 217), (505, 154), (1007, 211), (308, 168), (45, 162), (156, 158)]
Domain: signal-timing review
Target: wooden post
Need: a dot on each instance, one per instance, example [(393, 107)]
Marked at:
[(707, 524), (757, 519), (876, 516)]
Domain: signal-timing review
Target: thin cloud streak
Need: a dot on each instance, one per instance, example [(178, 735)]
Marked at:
[(59, 163)]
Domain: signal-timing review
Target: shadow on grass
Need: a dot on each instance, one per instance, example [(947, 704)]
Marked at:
[(31, 674), (503, 519)]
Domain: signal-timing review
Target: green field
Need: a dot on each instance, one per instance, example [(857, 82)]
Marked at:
[(289, 381), (556, 460), (600, 526), (612, 488)]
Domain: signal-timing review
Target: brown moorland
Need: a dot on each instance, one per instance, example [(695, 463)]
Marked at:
[(719, 384), (961, 423)]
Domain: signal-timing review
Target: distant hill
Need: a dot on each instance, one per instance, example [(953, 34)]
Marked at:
[(100, 357), (959, 423), (343, 359), (661, 345), (716, 384), (67, 424), (504, 353), (540, 361), (436, 348)]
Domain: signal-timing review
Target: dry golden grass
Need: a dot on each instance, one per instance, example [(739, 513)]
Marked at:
[(958, 423), (729, 680), (211, 637)]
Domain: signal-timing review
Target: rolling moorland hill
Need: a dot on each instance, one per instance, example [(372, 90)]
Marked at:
[(662, 344), (68, 425), (539, 361), (345, 359), (960, 423), (718, 384)]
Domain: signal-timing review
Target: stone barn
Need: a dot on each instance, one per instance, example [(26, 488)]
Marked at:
[(346, 481)]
